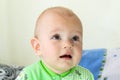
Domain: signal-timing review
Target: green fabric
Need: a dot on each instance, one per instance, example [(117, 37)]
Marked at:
[(39, 71), (54, 74)]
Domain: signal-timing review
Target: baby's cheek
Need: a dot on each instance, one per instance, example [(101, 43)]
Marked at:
[(78, 54)]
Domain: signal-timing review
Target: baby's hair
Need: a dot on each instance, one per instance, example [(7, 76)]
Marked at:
[(61, 11)]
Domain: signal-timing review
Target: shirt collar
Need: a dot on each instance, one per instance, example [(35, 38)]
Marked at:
[(51, 73)]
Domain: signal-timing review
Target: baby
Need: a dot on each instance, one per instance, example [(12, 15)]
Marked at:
[(58, 42)]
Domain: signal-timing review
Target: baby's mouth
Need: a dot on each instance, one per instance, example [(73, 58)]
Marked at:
[(66, 56)]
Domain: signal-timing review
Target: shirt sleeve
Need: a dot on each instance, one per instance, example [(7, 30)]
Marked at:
[(91, 76), (22, 76)]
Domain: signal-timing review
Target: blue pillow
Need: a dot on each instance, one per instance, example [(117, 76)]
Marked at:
[(93, 60)]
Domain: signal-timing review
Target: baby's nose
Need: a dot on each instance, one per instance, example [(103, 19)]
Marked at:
[(67, 45)]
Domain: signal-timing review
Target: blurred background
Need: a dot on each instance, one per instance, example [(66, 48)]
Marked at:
[(100, 19)]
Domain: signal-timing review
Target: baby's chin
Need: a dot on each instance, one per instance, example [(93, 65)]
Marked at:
[(66, 68)]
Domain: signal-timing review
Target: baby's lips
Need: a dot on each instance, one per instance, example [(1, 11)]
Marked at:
[(66, 56)]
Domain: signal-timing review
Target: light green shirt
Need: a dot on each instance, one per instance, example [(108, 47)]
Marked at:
[(38, 71)]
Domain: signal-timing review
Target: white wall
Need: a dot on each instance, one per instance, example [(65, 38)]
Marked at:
[(101, 21), (4, 45)]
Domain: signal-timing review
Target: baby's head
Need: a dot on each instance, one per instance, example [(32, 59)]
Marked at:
[(58, 39)]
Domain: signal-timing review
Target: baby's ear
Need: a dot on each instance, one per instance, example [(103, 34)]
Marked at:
[(36, 45)]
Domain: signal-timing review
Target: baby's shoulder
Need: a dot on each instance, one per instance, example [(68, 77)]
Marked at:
[(82, 70), (31, 72), (33, 67), (83, 73)]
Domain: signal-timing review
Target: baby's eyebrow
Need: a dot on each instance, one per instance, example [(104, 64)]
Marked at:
[(54, 31), (78, 32)]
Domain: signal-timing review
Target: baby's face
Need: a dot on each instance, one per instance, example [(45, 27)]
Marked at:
[(60, 42)]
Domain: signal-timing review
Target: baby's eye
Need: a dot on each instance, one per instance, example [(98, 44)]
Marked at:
[(56, 37), (75, 38)]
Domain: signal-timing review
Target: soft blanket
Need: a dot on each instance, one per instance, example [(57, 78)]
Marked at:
[(103, 63), (9, 72)]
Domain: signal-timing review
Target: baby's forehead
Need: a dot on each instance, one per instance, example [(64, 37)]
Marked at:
[(55, 12)]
